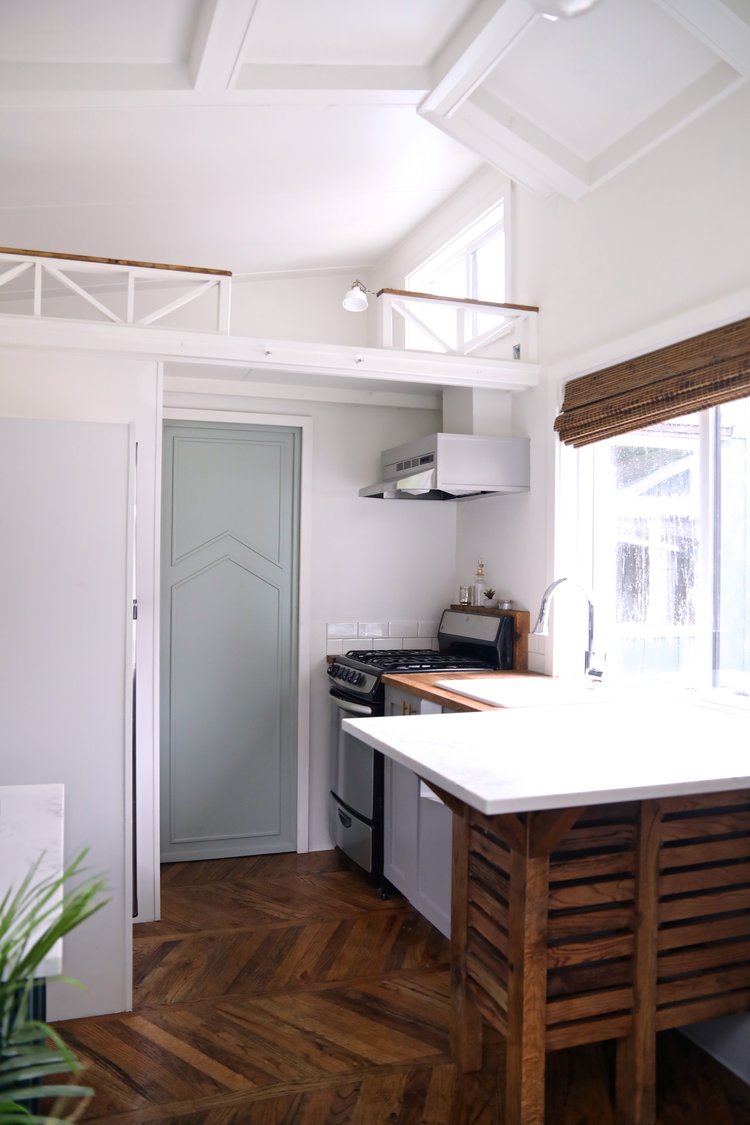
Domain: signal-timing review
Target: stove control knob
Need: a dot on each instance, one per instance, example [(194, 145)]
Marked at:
[(357, 678)]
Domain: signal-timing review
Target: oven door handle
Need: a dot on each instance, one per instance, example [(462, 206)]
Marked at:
[(348, 705)]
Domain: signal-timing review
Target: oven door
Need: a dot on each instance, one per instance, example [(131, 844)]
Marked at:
[(353, 780), (356, 799)]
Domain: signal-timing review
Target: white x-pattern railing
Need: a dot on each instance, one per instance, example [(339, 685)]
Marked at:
[(454, 330), (50, 274)]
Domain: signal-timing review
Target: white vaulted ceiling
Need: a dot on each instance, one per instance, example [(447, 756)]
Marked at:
[(268, 136)]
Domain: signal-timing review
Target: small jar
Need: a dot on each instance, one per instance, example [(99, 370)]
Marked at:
[(463, 595)]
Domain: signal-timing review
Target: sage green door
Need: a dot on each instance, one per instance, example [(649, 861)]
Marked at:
[(228, 637)]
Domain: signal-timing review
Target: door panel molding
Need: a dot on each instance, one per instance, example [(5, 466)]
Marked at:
[(302, 606)]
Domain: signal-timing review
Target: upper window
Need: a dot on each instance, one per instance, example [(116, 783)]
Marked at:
[(471, 265), (670, 550)]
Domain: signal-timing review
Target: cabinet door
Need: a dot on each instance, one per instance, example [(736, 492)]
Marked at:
[(401, 797), (401, 702), (434, 857)]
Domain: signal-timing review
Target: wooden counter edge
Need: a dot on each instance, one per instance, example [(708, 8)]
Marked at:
[(422, 684)]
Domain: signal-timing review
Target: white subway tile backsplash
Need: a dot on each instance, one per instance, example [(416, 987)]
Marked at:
[(402, 628), (334, 648), (341, 629), (417, 642), (387, 642), (427, 628), (372, 629)]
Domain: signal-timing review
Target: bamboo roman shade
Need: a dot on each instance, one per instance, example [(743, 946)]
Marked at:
[(702, 371)]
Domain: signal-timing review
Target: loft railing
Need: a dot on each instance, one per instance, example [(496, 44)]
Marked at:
[(454, 326), (121, 291)]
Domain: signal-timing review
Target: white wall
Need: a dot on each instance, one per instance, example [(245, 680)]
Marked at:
[(39, 385), (371, 560)]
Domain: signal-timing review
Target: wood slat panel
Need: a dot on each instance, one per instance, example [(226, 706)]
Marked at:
[(703, 906), (695, 802), (602, 948), (591, 894), (494, 881), (569, 1009), (703, 1008), (576, 1034), (590, 867), (675, 937), (490, 850), (698, 958), (706, 878), (707, 851), (712, 984), (488, 929), (588, 978), (724, 823), (569, 926), (497, 909), (487, 982)]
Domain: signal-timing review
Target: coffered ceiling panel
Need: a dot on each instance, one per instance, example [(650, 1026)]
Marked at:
[(564, 105), (268, 136)]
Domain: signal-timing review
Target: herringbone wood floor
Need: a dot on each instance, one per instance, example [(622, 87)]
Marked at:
[(281, 990)]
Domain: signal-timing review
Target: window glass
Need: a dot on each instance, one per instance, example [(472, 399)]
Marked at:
[(471, 265), (670, 552), (732, 550), (645, 545)]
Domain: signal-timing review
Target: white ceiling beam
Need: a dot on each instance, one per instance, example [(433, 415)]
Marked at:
[(219, 41), (405, 84), (139, 86), (176, 383), (493, 29)]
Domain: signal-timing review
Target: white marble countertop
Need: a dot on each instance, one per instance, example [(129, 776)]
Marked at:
[(31, 826), (526, 758)]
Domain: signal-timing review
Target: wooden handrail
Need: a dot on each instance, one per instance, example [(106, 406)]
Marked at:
[(112, 261), (471, 301)]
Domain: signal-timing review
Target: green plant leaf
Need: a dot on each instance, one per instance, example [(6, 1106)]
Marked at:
[(33, 918)]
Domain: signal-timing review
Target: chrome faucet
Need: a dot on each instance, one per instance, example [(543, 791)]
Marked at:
[(542, 623)]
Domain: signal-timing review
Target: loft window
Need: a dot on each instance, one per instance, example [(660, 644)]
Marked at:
[(473, 264)]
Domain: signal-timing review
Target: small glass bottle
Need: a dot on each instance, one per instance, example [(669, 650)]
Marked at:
[(477, 590)]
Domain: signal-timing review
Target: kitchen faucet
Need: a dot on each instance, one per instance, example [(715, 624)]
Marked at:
[(542, 623)]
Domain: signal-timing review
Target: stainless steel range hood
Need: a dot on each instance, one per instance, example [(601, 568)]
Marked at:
[(452, 467)]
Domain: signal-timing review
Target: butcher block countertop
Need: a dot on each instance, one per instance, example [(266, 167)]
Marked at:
[(425, 686)]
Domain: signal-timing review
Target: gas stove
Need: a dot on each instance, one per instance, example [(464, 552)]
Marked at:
[(466, 643)]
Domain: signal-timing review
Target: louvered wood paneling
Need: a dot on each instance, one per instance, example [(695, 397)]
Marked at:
[(704, 908)]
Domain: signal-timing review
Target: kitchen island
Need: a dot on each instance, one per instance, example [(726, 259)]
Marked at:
[(601, 878)]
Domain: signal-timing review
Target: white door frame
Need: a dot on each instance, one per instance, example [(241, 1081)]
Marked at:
[(304, 424)]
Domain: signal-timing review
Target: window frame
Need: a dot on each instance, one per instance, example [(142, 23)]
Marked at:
[(575, 543)]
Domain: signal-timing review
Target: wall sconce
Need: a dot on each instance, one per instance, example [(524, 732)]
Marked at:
[(355, 299)]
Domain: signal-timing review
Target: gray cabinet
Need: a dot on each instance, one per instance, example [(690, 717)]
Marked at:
[(418, 829)]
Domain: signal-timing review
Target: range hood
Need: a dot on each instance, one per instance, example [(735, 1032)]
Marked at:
[(452, 467)]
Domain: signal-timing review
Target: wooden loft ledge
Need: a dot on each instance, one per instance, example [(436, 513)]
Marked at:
[(44, 266), (250, 362)]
